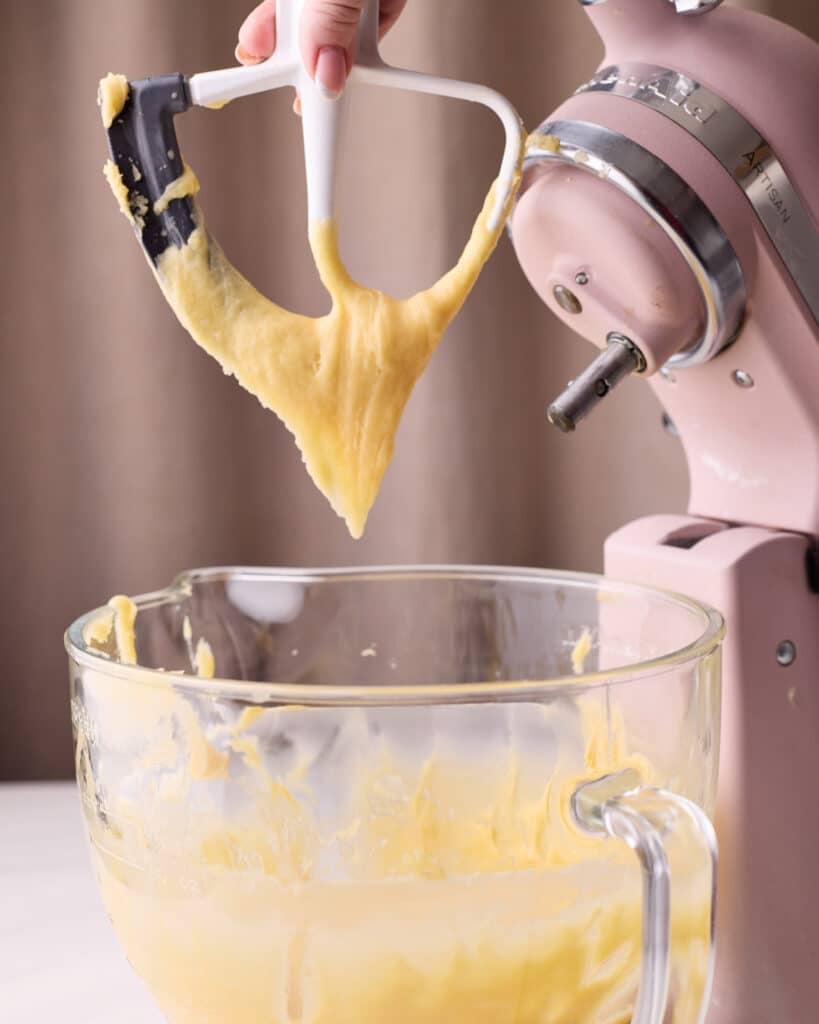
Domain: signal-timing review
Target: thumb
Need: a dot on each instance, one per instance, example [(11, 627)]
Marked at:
[(328, 36)]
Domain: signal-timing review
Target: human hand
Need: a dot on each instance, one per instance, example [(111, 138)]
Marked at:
[(328, 34)]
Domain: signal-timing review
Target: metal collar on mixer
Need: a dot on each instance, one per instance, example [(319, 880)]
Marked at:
[(682, 6), (674, 207), (741, 150)]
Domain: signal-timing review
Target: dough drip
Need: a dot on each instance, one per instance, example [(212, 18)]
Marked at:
[(339, 382)]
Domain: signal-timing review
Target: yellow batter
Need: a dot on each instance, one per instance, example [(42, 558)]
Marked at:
[(112, 96), (187, 184), (340, 382), (435, 886), (581, 650)]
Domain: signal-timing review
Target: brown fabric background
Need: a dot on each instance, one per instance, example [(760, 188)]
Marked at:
[(126, 455)]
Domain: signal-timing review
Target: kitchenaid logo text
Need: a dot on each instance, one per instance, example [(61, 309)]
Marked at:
[(668, 87), (755, 163), (675, 94)]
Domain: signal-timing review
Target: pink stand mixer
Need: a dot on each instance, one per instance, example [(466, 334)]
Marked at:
[(670, 215)]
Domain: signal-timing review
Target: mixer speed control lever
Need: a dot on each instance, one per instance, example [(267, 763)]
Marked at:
[(620, 358)]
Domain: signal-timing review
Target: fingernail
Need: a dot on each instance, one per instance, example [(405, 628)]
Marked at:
[(246, 58), (331, 71), (297, 105)]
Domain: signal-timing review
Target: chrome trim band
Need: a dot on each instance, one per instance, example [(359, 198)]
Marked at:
[(673, 206), (741, 150), (682, 6)]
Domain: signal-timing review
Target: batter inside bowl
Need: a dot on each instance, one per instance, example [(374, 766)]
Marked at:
[(274, 865)]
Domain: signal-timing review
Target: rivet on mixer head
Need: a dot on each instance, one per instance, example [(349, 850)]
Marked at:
[(581, 278), (567, 300), (786, 653), (743, 379), (669, 426)]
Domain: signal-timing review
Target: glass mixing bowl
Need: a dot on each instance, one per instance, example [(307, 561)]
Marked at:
[(404, 796)]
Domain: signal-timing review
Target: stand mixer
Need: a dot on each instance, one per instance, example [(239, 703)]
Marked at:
[(669, 214)]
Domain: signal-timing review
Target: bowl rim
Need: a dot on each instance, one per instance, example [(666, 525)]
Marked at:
[(257, 692)]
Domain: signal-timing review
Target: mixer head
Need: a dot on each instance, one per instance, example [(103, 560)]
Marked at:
[(647, 267), (646, 194)]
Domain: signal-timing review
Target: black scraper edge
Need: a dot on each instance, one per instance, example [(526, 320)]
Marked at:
[(142, 140)]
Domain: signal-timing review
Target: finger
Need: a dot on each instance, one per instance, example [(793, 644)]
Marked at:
[(257, 36), (328, 34), (246, 58), (329, 30)]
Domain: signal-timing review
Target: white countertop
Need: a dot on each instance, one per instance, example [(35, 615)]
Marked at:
[(59, 959)]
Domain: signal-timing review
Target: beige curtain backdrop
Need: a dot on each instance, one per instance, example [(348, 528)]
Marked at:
[(127, 455)]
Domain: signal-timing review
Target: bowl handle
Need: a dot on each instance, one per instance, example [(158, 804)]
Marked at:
[(664, 830)]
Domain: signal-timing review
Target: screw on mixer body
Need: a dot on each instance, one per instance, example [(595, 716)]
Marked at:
[(669, 426), (786, 653)]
